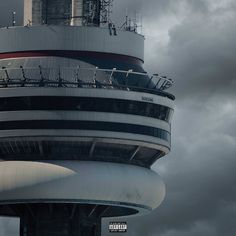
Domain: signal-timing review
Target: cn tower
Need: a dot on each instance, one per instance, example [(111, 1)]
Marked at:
[(81, 121)]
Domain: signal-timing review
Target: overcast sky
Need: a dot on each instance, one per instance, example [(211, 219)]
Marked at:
[(193, 42)]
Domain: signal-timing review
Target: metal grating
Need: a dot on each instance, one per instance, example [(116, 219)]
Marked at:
[(77, 150)]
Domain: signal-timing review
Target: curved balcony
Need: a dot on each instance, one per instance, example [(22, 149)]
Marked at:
[(125, 189), (84, 114), (85, 78)]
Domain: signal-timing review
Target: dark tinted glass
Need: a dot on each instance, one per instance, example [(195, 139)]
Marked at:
[(86, 104)]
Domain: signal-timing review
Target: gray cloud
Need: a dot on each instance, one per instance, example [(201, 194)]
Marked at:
[(199, 52)]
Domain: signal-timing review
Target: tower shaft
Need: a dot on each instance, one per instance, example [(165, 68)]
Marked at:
[(58, 219), (62, 12), (77, 12)]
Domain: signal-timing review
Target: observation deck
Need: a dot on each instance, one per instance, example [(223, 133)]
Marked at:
[(84, 114)]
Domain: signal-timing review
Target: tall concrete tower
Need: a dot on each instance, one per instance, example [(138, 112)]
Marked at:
[(81, 122)]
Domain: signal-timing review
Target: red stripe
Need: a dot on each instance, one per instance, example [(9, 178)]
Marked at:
[(73, 54)]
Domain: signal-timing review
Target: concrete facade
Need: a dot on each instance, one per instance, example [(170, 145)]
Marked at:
[(70, 38), (38, 12)]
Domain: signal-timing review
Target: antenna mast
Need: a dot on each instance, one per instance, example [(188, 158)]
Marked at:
[(106, 10), (97, 12), (13, 18)]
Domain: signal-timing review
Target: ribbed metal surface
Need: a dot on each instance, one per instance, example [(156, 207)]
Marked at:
[(55, 37)]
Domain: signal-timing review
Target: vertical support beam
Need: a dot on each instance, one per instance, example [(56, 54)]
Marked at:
[(77, 13), (40, 146), (134, 153), (25, 223), (92, 211), (73, 211), (97, 230), (28, 8), (33, 12), (92, 148)]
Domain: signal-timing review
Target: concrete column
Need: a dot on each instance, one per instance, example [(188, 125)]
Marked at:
[(77, 12), (33, 10), (28, 7)]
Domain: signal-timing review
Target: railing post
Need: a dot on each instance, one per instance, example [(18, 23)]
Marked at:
[(95, 73), (59, 78), (112, 72), (8, 78), (24, 77), (41, 83)]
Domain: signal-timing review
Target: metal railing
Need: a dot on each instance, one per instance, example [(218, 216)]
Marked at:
[(84, 78)]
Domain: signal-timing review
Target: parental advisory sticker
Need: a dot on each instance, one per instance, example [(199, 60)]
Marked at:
[(117, 227)]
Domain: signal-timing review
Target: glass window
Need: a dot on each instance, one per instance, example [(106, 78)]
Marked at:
[(86, 125), (86, 104)]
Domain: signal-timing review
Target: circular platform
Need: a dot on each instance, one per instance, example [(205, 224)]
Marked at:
[(97, 183)]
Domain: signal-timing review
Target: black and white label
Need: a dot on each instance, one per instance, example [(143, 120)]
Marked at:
[(117, 227)]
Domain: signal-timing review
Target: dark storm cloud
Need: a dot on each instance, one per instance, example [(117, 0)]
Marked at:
[(207, 51), (199, 53), (155, 9), (159, 6), (198, 50)]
